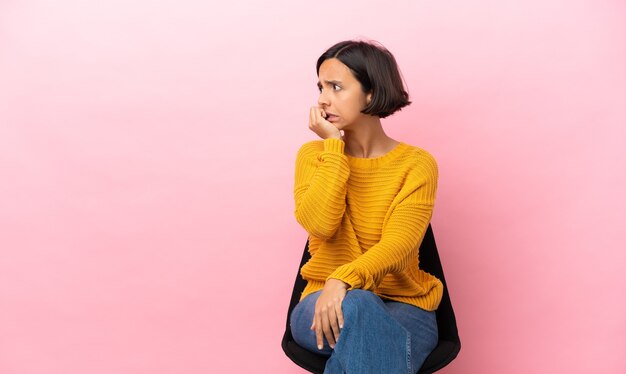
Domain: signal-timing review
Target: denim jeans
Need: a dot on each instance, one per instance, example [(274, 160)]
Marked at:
[(378, 336)]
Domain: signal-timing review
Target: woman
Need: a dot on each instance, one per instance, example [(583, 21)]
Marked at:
[(366, 201)]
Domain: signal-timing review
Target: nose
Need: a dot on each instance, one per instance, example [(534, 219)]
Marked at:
[(322, 100)]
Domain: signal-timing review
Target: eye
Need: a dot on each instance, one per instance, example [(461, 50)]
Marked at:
[(334, 85)]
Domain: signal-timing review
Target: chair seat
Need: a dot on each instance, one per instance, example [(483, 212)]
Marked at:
[(445, 352), (306, 359)]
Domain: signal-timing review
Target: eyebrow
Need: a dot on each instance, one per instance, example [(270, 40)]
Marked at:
[(331, 82)]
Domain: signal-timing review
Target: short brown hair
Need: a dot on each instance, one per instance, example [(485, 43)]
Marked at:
[(376, 69)]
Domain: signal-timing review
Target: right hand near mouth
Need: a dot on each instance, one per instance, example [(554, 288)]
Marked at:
[(319, 125)]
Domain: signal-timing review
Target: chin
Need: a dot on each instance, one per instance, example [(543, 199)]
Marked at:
[(344, 127)]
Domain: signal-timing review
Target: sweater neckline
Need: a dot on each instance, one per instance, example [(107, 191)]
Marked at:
[(374, 162)]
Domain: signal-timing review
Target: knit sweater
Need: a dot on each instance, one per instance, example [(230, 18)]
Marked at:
[(366, 218)]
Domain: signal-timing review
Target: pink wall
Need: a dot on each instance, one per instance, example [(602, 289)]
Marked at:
[(147, 153)]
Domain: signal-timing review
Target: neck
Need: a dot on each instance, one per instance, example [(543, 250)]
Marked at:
[(368, 139)]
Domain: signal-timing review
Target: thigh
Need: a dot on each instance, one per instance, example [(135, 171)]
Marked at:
[(300, 322), (422, 325)]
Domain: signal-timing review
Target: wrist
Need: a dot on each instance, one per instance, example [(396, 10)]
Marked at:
[(335, 281)]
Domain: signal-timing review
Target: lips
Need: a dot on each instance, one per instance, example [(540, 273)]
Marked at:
[(331, 115)]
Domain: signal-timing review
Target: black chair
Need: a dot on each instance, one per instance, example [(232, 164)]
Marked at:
[(449, 344)]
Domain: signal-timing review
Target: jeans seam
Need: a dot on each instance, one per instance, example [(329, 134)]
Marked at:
[(408, 353)]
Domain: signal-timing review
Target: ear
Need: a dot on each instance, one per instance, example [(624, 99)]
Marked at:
[(369, 98)]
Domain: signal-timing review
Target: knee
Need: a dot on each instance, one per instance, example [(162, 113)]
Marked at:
[(358, 299), (362, 296)]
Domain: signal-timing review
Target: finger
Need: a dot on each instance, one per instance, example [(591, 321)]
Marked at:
[(332, 315), (311, 117), (339, 312), (318, 116), (326, 327), (321, 115), (318, 333), (324, 115)]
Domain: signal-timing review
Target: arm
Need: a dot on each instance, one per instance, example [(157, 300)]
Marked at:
[(402, 232), (320, 190)]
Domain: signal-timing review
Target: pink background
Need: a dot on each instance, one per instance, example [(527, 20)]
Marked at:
[(146, 166)]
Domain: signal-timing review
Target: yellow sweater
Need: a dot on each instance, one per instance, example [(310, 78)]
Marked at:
[(366, 218)]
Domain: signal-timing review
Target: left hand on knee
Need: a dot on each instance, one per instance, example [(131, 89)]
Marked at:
[(328, 313)]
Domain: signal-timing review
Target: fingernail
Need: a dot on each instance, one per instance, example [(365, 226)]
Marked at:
[(319, 346)]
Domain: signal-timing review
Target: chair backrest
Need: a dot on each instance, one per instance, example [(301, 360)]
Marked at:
[(449, 342)]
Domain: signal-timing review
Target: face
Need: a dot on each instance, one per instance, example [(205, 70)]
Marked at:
[(341, 94)]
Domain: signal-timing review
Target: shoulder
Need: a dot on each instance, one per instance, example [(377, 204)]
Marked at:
[(420, 159)]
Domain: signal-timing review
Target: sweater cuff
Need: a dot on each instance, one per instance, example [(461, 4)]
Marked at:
[(345, 273), (334, 145)]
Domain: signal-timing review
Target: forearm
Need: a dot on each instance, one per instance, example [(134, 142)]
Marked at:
[(320, 190)]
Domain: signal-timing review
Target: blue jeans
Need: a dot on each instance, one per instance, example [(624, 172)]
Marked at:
[(378, 336)]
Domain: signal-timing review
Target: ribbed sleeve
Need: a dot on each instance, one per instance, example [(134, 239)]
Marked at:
[(402, 232), (320, 187)]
